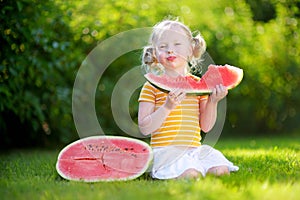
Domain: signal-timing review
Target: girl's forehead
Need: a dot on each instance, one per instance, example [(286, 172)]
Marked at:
[(170, 33)]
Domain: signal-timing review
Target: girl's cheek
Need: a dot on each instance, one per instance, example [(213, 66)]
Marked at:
[(161, 56), (183, 52)]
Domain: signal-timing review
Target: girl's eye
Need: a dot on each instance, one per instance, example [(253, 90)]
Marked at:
[(162, 46), (177, 44)]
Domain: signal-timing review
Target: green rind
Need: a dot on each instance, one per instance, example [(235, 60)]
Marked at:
[(241, 75), (195, 93), (105, 180)]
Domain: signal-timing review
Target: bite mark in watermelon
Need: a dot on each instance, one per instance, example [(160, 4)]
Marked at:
[(104, 158), (227, 75)]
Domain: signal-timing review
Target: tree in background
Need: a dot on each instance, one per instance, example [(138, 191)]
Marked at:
[(43, 44), (37, 69)]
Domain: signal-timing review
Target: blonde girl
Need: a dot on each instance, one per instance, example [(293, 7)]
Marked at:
[(174, 120)]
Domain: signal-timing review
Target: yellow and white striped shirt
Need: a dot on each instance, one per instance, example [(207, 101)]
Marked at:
[(181, 127)]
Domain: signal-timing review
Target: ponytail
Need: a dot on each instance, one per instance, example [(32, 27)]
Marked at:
[(199, 46), (148, 57), (150, 63)]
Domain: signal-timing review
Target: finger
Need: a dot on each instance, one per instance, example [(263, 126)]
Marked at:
[(181, 97), (176, 99), (214, 91), (173, 97), (172, 93), (219, 88), (177, 95), (178, 91), (181, 93), (223, 89)]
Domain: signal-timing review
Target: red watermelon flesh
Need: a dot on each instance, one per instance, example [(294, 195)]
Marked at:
[(227, 75), (104, 158)]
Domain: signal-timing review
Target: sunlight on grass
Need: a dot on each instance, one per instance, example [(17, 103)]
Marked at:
[(268, 170)]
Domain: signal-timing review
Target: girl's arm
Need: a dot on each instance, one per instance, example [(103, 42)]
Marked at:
[(150, 120), (208, 108)]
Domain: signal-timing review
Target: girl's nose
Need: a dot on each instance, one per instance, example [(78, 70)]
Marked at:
[(170, 51)]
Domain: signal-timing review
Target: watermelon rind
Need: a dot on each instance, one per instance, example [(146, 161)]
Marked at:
[(240, 73), (164, 88), (142, 171), (189, 92), (156, 81)]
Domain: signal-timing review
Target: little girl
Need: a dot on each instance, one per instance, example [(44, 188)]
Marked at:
[(175, 119)]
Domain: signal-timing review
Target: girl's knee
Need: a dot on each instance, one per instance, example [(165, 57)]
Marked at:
[(190, 173)]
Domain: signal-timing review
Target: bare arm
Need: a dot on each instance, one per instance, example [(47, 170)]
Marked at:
[(150, 120), (208, 108)]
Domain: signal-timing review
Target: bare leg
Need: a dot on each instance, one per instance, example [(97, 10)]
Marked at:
[(190, 173), (219, 170)]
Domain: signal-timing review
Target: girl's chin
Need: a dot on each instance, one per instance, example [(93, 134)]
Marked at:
[(173, 65)]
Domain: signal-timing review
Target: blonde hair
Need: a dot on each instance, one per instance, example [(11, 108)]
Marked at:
[(149, 60)]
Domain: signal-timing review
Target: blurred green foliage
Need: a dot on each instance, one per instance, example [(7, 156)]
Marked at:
[(37, 70), (44, 43)]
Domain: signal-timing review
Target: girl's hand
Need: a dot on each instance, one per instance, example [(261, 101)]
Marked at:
[(218, 93), (174, 98)]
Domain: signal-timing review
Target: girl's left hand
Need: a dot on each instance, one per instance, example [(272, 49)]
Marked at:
[(218, 93)]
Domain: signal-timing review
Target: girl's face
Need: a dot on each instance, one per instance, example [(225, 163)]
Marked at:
[(172, 48)]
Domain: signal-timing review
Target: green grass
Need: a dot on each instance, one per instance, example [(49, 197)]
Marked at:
[(269, 169)]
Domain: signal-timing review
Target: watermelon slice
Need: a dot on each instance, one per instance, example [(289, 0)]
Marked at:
[(104, 158), (227, 75)]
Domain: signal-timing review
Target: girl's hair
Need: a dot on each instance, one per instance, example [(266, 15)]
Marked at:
[(149, 60)]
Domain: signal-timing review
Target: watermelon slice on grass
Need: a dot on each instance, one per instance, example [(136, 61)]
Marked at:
[(104, 158), (227, 75)]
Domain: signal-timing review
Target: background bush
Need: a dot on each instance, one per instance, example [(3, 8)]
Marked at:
[(43, 45)]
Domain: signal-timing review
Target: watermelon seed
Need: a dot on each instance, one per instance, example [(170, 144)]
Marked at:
[(126, 149), (101, 149), (131, 148), (144, 149), (134, 155)]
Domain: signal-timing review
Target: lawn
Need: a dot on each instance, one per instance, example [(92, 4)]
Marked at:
[(269, 169)]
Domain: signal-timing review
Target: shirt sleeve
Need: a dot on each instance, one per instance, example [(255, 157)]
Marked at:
[(147, 93)]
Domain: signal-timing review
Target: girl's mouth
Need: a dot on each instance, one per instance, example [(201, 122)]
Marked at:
[(171, 58)]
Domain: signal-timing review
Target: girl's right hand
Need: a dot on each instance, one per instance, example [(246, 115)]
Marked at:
[(174, 98)]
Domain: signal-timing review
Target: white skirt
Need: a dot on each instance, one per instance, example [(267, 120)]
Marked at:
[(170, 162)]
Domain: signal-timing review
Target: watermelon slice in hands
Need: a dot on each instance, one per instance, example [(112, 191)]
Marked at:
[(227, 75)]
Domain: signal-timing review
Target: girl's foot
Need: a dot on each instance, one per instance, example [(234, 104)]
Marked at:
[(219, 170)]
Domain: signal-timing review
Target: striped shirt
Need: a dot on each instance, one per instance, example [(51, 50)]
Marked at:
[(181, 127)]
